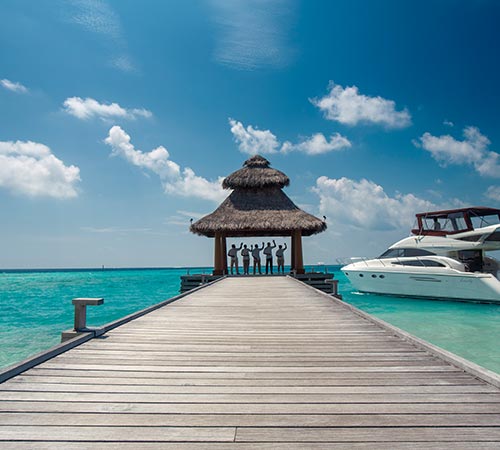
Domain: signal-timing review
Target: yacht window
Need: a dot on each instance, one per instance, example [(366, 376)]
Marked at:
[(392, 253), (416, 252), (410, 262), (484, 221), (402, 252), (451, 223), (419, 263), (473, 259), (458, 222), (431, 263)]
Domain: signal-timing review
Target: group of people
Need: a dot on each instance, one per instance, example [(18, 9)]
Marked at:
[(255, 250)]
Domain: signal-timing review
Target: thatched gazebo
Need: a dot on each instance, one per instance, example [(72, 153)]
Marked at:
[(257, 207)]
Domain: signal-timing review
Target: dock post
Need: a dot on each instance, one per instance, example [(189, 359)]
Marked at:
[(80, 321), (335, 288)]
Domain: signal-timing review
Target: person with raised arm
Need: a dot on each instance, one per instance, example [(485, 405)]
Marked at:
[(280, 256), (233, 254), (268, 251), (256, 257)]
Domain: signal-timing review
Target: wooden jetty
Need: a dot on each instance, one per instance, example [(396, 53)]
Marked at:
[(251, 363), (319, 280)]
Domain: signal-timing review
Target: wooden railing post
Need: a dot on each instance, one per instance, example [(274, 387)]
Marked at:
[(80, 320), (335, 287), (81, 311)]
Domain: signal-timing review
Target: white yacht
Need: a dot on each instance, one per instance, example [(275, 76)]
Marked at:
[(444, 258)]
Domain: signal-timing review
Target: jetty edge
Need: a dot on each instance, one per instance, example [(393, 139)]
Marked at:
[(243, 362), (81, 337)]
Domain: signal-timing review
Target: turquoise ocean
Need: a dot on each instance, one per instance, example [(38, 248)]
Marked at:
[(36, 306)]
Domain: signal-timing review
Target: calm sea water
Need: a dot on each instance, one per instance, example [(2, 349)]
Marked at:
[(36, 306)]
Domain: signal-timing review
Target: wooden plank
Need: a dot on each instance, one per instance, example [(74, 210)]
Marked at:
[(27, 445), (99, 387), (248, 398), (369, 434), (250, 420), (117, 434), (154, 379), (255, 368), (272, 363), (250, 408)]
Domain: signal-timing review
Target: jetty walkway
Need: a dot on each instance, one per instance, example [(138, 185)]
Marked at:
[(245, 363)]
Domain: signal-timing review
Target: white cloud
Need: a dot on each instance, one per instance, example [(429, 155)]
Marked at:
[(14, 86), (317, 144), (448, 123), (174, 180), (493, 193), (29, 168), (123, 63), (98, 17), (252, 140), (89, 108), (473, 150), (364, 204), (349, 107), (252, 33)]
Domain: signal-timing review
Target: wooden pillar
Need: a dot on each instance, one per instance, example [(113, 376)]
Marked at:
[(224, 255), (292, 254), (297, 251), (218, 268)]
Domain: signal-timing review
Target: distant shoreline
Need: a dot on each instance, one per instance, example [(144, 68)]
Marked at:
[(93, 269), (104, 269)]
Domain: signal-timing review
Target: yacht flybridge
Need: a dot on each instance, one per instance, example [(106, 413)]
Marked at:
[(444, 258)]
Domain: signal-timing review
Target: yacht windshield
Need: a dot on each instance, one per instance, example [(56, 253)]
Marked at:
[(450, 223), (484, 221), (404, 252)]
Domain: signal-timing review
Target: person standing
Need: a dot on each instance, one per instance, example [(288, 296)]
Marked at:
[(256, 257), (246, 259), (233, 254), (268, 251), (280, 256)]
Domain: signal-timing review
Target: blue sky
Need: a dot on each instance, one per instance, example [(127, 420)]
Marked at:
[(118, 118)]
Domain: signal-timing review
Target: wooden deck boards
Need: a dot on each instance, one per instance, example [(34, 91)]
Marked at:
[(247, 363)]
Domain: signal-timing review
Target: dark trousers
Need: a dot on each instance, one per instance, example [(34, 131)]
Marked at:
[(256, 263), (269, 265)]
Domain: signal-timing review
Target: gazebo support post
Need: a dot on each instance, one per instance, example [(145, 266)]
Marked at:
[(292, 254), (224, 255), (218, 268), (298, 261)]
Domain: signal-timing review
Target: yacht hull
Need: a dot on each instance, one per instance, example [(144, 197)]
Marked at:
[(476, 287)]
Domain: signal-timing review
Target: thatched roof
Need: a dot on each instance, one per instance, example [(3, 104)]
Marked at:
[(258, 212), (256, 173), (257, 206)]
